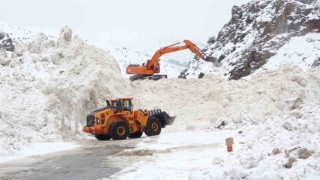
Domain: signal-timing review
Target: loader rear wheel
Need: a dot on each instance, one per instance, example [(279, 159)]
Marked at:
[(137, 134), (119, 130), (103, 137), (153, 127)]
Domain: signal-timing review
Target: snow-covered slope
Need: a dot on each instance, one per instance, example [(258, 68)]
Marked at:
[(255, 33), (303, 51)]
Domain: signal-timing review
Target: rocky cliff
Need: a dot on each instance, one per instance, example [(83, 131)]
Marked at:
[(255, 33)]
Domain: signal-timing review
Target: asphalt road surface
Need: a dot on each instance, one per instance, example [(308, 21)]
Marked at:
[(93, 160)]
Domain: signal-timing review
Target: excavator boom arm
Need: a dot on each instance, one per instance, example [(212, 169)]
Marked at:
[(194, 49), (173, 48), (152, 66)]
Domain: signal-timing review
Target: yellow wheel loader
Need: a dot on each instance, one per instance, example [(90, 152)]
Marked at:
[(118, 121)]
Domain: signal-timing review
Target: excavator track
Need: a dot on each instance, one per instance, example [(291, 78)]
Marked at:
[(149, 77)]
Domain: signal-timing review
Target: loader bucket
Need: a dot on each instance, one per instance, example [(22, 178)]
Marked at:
[(164, 118), (169, 119)]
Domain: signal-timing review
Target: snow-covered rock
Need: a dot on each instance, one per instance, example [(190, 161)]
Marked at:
[(6, 42), (256, 32)]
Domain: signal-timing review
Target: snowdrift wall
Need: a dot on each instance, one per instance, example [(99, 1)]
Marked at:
[(206, 102), (47, 87)]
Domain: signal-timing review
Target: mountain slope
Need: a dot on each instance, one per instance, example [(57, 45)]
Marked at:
[(254, 34)]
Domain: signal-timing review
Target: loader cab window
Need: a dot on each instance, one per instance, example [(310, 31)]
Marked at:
[(108, 103), (127, 106), (116, 105)]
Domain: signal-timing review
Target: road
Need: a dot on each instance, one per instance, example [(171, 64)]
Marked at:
[(93, 160)]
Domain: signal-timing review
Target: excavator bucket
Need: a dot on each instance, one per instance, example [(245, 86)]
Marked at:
[(163, 117)]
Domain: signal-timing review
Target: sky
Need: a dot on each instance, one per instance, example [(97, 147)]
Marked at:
[(123, 19)]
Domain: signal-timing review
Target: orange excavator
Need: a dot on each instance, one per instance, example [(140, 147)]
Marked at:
[(148, 70)]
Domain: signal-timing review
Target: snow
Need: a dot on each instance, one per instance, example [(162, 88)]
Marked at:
[(37, 149), (23, 33), (301, 51), (203, 154), (190, 138), (49, 85), (272, 117)]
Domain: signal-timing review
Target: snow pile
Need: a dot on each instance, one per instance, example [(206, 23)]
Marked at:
[(273, 118), (199, 104), (47, 87), (263, 151)]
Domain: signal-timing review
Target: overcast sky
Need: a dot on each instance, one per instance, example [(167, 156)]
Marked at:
[(197, 20)]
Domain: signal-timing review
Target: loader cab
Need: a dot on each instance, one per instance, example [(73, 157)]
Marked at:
[(122, 104), (127, 105), (116, 104)]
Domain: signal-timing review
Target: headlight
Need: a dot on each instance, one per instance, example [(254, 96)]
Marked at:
[(98, 121)]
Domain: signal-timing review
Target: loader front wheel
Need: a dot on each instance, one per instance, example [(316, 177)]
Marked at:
[(153, 127), (119, 130), (103, 137), (137, 134)]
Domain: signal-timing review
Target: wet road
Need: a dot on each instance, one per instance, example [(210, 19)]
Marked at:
[(93, 160)]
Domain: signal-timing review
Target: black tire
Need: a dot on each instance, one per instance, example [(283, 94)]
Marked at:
[(119, 130), (153, 127), (103, 137), (137, 134)]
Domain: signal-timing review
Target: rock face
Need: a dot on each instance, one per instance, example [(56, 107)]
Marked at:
[(6, 42), (254, 34)]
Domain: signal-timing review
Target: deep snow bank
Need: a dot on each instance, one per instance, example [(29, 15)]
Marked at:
[(48, 86), (260, 151), (206, 102), (273, 118)]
